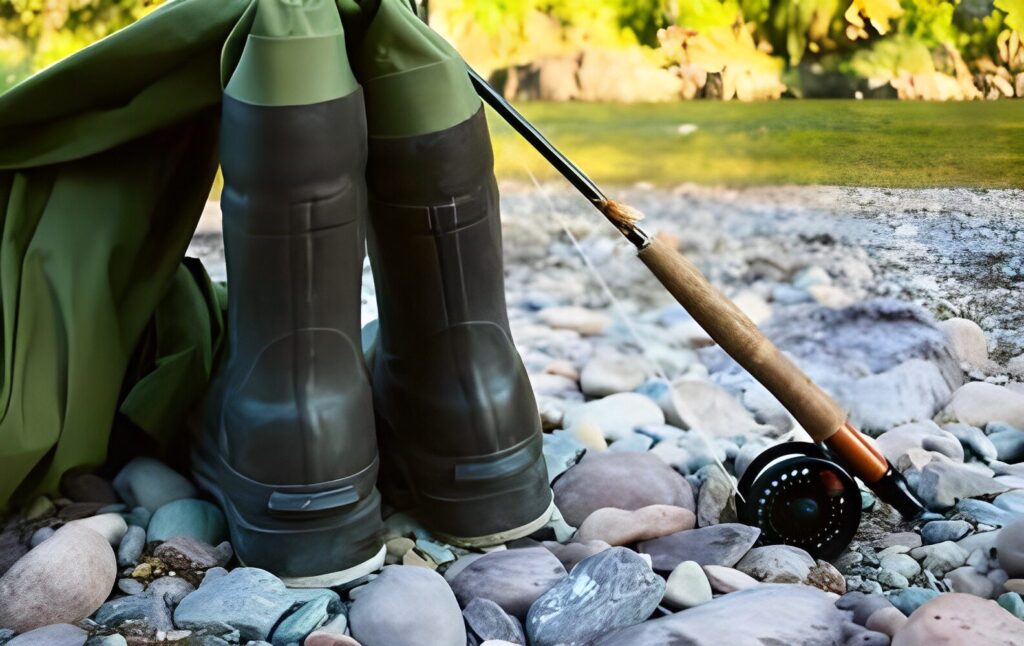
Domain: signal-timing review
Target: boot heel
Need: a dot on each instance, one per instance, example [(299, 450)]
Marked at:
[(320, 535), (479, 501)]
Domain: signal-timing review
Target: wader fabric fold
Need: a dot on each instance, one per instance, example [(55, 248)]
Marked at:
[(106, 160)]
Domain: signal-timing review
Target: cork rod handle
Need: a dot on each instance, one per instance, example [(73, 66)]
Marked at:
[(818, 413)]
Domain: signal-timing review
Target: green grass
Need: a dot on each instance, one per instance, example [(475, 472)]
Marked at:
[(852, 143)]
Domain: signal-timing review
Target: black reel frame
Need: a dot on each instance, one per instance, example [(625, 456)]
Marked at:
[(797, 495)]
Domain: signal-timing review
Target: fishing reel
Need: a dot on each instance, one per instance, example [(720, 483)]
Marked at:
[(796, 494)]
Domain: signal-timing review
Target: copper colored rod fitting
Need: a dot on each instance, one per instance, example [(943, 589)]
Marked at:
[(858, 453)]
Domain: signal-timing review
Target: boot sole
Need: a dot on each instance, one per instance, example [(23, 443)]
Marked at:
[(339, 578), (497, 538)]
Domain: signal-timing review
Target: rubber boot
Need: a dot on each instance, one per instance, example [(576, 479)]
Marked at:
[(290, 449), (457, 419)]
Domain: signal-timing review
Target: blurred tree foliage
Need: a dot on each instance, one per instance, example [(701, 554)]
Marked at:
[(879, 40), (37, 33)]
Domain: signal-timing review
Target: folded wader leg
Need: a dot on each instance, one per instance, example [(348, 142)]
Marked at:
[(290, 450), (455, 410)]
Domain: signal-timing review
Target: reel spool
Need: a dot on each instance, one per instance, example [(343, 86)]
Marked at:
[(797, 496)]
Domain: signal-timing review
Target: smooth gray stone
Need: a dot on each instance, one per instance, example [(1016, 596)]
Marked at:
[(152, 607), (302, 621), (188, 517), (939, 531), (561, 451), (130, 586), (941, 484), (138, 516), (722, 544), (999, 427), (41, 535), (973, 438), (776, 564), (902, 564), (1009, 445), (305, 595), (635, 443), (985, 512), (513, 579), (763, 614), (701, 450), (1010, 549), (412, 602), (920, 435), (747, 453), (623, 480), (149, 483), (52, 635), (941, 557), (486, 620), (608, 591), (1011, 501), (130, 549), (715, 502), (109, 640), (862, 605), (910, 599), (249, 600)]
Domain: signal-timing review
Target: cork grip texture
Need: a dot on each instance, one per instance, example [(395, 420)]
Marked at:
[(818, 413)]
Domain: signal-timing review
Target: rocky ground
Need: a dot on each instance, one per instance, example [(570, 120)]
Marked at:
[(639, 409)]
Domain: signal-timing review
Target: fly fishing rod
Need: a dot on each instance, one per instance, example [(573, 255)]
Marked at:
[(798, 493)]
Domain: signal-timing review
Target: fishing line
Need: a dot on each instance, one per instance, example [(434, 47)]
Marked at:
[(627, 321)]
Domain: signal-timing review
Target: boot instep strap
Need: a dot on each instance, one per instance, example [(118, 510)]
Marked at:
[(283, 502)]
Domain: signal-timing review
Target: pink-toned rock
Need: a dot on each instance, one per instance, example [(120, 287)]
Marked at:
[(621, 527), (887, 620), (318, 638), (570, 554), (726, 579), (62, 580), (331, 634), (955, 618), (621, 480)]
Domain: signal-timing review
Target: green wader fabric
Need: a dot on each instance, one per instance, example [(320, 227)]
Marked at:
[(106, 161)]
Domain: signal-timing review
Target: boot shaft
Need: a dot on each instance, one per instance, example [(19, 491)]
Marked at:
[(435, 235), (297, 402)]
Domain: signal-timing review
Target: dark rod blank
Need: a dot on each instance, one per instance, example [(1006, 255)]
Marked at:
[(506, 111)]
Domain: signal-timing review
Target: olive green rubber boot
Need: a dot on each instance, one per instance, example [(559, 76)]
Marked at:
[(290, 449), (457, 419)]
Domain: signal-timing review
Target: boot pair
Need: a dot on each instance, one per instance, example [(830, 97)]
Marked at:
[(316, 163)]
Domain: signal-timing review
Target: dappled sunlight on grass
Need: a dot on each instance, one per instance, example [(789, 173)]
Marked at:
[(867, 143)]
